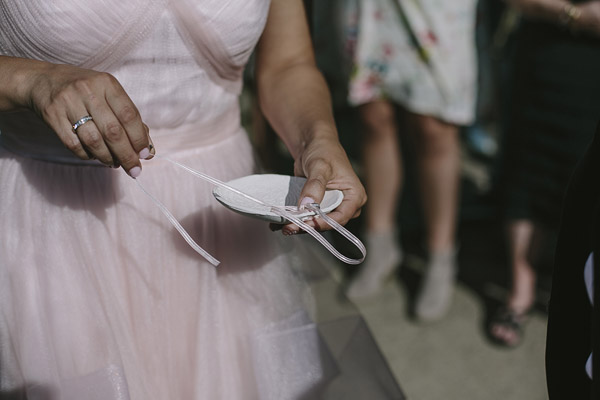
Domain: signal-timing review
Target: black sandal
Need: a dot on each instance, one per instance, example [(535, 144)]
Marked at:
[(510, 321)]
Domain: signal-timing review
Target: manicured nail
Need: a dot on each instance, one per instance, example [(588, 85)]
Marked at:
[(307, 200), (144, 153), (135, 172)]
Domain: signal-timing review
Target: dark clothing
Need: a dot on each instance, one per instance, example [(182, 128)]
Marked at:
[(554, 110), (573, 324)]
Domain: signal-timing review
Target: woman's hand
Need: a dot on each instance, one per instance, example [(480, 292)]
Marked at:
[(295, 99), (325, 164), (63, 94)]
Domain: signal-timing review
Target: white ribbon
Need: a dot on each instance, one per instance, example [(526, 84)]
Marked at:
[(287, 212)]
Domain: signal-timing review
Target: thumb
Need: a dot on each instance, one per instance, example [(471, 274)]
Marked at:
[(313, 190)]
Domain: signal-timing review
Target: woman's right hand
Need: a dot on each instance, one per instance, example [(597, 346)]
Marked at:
[(63, 94)]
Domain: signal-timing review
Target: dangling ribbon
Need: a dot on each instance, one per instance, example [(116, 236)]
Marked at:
[(288, 212)]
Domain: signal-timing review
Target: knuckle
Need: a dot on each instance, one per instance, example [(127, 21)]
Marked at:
[(62, 97), (94, 140), (106, 159), (322, 167), (319, 180), (110, 81), (92, 98), (82, 86), (75, 147), (127, 114), (140, 143), (49, 111), (73, 144), (113, 131), (128, 160), (108, 78)]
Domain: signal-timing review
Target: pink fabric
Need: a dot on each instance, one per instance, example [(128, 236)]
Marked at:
[(99, 297)]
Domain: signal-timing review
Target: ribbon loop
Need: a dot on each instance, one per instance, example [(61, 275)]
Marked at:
[(316, 209), (286, 212)]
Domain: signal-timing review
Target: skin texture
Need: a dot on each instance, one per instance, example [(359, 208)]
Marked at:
[(437, 147), (292, 92), (61, 94), (437, 150), (382, 163), (295, 100)]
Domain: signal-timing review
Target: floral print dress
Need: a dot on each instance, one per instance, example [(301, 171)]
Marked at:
[(419, 54)]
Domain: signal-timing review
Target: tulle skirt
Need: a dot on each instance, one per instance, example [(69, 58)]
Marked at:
[(100, 298)]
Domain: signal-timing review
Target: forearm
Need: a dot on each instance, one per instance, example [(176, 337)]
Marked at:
[(547, 10), (297, 104), (295, 99), (583, 16), (292, 92), (17, 77)]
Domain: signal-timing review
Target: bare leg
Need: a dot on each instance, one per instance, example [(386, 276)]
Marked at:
[(521, 239), (382, 165), (521, 235), (382, 174), (438, 157)]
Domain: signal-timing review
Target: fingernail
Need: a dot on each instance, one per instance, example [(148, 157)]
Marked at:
[(151, 146), (307, 200), (135, 172), (144, 153)]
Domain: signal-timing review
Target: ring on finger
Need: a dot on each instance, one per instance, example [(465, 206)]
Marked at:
[(80, 122)]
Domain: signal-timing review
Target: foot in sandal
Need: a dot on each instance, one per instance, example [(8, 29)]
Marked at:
[(507, 326)]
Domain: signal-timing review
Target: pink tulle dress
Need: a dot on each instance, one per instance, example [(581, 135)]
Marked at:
[(100, 298)]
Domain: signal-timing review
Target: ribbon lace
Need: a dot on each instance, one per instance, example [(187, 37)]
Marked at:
[(288, 212)]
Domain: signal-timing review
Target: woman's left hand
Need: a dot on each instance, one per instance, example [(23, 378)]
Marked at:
[(326, 166), (295, 100)]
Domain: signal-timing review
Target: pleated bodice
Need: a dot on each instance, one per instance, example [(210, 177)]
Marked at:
[(181, 62)]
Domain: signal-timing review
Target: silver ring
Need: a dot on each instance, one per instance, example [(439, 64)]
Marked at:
[(80, 122)]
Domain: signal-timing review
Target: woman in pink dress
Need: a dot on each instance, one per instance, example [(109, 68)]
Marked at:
[(99, 296)]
